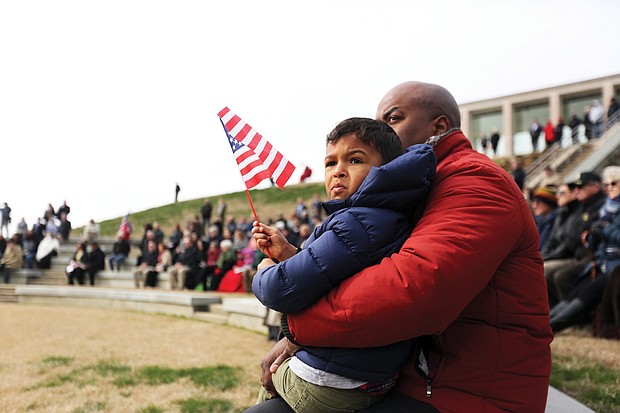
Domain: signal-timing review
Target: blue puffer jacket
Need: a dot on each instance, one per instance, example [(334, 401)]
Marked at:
[(373, 223)]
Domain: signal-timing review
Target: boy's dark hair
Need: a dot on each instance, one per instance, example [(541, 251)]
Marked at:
[(375, 133)]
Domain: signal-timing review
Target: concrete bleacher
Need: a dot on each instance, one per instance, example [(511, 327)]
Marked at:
[(124, 279), (150, 301), (559, 402)]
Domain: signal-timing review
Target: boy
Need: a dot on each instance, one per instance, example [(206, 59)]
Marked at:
[(369, 204)]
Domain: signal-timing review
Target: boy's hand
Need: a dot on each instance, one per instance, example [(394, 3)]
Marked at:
[(268, 238), (265, 263)]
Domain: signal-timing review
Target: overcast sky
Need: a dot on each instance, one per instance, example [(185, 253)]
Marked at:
[(108, 104)]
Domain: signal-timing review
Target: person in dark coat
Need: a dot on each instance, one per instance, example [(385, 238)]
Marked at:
[(574, 127), (518, 173), (535, 131), (495, 141), (545, 209), (559, 130), (96, 262), (591, 198), (603, 239)]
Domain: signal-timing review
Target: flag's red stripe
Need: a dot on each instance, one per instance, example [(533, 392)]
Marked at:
[(285, 175), (273, 166), (223, 112), (243, 133), (232, 123)]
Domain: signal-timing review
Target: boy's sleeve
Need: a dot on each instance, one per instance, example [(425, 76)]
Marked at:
[(342, 250)]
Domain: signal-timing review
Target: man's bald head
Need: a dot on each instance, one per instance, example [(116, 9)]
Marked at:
[(418, 111)]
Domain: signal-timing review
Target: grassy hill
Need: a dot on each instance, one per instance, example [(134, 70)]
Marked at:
[(269, 203)]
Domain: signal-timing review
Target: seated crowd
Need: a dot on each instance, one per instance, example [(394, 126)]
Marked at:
[(34, 247), (579, 226), (197, 257), (209, 254)]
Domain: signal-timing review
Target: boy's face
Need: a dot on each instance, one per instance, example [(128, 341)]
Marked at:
[(347, 163)]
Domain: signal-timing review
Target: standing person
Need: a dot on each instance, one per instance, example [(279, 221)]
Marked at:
[(574, 128), (11, 260), (535, 131), (558, 133), (518, 173), (177, 189), (549, 134), (587, 123), (5, 213), (22, 227), (221, 210), (368, 207), (596, 118), (473, 297), (91, 231), (317, 207), (64, 208), (495, 140), (484, 143), (612, 111), (64, 228), (205, 212)]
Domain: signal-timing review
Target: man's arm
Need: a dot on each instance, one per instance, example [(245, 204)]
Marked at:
[(474, 219)]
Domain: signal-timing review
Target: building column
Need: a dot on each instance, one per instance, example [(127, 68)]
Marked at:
[(465, 120), (607, 93), (507, 126), (554, 107)]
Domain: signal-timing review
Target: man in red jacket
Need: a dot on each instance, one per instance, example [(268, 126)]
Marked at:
[(468, 283)]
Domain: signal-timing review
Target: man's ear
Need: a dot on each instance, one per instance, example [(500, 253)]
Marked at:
[(441, 124)]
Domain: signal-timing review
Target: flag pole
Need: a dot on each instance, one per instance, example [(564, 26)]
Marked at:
[(247, 192)]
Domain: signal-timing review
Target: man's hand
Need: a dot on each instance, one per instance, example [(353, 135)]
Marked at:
[(283, 350), (272, 240)]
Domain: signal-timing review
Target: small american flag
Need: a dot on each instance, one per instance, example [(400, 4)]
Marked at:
[(251, 167), (280, 169)]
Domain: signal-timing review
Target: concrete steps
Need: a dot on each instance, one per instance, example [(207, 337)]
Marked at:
[(7, 293)]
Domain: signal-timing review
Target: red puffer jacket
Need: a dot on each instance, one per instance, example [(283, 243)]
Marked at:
[(469, 281)]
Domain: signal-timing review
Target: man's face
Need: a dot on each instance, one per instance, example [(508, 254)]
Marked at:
[(411, 123), (588, 190), (347, 162)]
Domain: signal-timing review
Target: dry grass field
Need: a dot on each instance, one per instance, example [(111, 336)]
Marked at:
[(81, 360)]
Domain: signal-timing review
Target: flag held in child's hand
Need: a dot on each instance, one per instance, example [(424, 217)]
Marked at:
[(251, 167), (279, 168)]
